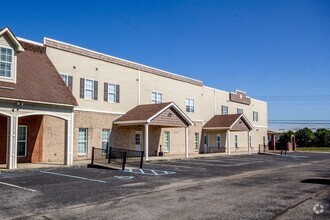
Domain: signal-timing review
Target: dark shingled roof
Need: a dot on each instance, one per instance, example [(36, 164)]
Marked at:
[(37, 79), (222, 121), (143, 112)]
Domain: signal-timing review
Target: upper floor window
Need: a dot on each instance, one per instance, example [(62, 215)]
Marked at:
[(67, 80), (88, 89), (190, 105), (239, 111), (224, 110), (255, 116), (156, 97), (111, 93), (6, 59)]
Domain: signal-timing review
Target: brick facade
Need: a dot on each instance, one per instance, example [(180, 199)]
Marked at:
[(34, 139)]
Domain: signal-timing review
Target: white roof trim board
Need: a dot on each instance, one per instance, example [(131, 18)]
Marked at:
[(13, 39)]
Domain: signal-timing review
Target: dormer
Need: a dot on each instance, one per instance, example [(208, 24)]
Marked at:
[(9, 48)]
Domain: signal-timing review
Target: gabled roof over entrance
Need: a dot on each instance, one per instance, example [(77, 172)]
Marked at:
[(165, 114), (234, 122)]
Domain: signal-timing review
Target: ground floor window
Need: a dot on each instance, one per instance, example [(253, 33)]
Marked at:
[(236, 141), (218, 141), (196, 141), (21, 141), (264, 140), (82, 141), (166, 141), (105, 139)]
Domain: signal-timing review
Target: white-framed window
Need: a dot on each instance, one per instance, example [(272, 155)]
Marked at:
[(156, 97), (89, 89), (236, 141), (65, 78), (6, 61), (166, 141), (105, 139), (218, 141), (112, 93), (196, 141), (239, 111), (22, 141), (190, 105), (255, 116), (82, 141), (224, 110)]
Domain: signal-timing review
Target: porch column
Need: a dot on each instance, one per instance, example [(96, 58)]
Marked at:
[(186, 141), (249, 150), (146, 139), (9, 158), (68, 160), (12, 128), (228, 142)]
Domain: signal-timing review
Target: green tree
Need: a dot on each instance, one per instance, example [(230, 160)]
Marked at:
[(322, 137), (285, 138), (304, 137)]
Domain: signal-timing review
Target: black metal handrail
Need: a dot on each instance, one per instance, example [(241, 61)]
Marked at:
[(117, 157)]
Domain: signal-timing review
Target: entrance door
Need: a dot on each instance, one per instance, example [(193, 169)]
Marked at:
[(206, 143), (138, 140)]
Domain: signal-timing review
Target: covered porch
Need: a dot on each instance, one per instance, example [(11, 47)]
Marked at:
[(154, 129), (22, 134), (227, 133)]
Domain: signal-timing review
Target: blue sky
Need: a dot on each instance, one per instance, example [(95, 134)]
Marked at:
[(278, 51)]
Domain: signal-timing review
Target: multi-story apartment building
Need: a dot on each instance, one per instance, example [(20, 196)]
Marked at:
[(118, 103)]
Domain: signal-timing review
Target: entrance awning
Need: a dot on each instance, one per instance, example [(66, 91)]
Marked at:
[(162, 114), (232, 122)]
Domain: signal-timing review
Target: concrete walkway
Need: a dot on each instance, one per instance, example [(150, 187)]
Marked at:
[(84, 163)]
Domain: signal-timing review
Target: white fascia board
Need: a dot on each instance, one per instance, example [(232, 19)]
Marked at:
[(131, 122), (216, 128), (12, 38), (30, 41), (36, 102)]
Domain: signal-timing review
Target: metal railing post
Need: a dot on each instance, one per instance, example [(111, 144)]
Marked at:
[(109, 155), (141, 161), (92, 155), (124, 160)]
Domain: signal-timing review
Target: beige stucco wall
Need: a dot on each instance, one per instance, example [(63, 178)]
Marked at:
[(136, 87), (107, 72)]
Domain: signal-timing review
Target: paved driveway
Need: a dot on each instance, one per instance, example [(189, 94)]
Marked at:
[(249, 187)]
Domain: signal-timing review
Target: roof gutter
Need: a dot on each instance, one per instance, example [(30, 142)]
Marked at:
[(37, 102)]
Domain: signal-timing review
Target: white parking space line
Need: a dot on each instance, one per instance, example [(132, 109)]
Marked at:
[(71, 176), (173, 165), (149, 172), (234, 163), (19, 187)]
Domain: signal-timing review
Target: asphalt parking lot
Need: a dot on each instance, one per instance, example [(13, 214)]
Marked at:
[(235, 187)]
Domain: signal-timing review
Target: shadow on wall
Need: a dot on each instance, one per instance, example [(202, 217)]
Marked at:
[(123, 137)]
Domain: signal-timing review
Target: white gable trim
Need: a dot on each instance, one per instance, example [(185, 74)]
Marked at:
[(190, 122), (13, 39)]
